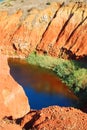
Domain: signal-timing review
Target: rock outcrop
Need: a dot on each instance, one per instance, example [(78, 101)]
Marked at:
[(55, 118), (13, 101), (56, 30), (50, 118)]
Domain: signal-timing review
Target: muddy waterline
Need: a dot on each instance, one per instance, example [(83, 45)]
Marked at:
[(42, 86)]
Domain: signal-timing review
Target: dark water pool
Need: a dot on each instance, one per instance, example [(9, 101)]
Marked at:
[(42, 86)]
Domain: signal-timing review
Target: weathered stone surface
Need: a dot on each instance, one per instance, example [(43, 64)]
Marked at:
[(22, 35), (53, 34), (9, 126), (66, 30), (13, 101), (8, 26), (51, 30), (56, 118), (33, 28)]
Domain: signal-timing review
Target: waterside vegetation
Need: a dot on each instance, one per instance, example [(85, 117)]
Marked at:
[(72, 72)]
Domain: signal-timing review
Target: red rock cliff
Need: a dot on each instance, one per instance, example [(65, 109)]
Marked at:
[(52, 30), (13, 101)]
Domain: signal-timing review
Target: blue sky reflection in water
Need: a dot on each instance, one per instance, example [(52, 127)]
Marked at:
[(42, 87)]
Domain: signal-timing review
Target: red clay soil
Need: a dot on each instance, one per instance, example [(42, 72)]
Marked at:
[(50, 118), (55, 118)]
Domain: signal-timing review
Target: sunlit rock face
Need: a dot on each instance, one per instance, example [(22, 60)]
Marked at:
[(67, 31), (13, 101), (55, 118), (9, 126), (56, 30)]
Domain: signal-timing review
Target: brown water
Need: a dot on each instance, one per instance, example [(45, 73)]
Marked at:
[(42, 86)]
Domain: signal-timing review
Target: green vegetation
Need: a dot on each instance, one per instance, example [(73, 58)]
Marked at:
[(42, 61), (71, 72), (48, 3)]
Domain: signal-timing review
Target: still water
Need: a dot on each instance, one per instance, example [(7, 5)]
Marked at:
[(42, 86)]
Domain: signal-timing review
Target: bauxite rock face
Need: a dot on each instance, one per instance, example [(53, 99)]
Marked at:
[(13, 101), (52, 30), (8, 26), (9, 126), (55, 118), (65, 31), (33, 28)]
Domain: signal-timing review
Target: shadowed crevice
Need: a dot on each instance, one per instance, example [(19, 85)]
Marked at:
[(50, 23), (65, 24), (30, 124), (72, 33), (74, 43)]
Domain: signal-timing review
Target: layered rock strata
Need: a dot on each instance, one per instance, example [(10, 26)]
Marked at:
[(55, 30)]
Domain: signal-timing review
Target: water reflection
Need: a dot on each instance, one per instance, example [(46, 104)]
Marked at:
[(41, 85)]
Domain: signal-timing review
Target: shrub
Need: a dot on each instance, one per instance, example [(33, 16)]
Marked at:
[(42, 61), (73, 75), (70, 72)]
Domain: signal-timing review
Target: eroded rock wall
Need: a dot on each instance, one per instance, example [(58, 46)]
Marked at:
[(54, 30)]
